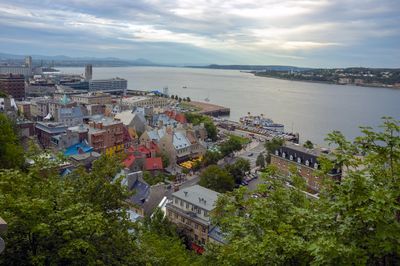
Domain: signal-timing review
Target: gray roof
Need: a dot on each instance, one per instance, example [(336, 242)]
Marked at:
[(180, 141), (199, 196)]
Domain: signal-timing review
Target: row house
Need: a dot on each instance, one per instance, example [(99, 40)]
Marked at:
[(305, 162)]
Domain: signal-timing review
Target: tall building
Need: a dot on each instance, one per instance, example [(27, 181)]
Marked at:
[(17, 70), (88, 72), (28, 62), (13, 85), (115, 85)]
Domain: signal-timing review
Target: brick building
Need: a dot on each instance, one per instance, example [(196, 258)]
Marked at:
[(13, 85), (305, 162), (106, 135)]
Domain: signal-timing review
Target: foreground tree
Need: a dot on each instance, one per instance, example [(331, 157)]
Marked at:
[(11, 152), (354, 222), (231, 145), (217, 178), (260, 162)]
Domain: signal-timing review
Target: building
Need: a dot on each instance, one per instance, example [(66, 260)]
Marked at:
[(144, 101), (115, 85), (65, 140), (133, 120), (305, 161), (92, 98), (190, 210), (106, 135), (88, 72), (46, 130), (16, 70), (146, 198), (71, 116), (13, 85), (24, 108), (57, 104), (28, 62), (39, 108)]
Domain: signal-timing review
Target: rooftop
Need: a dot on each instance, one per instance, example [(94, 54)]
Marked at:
[(78, 148), (197, 195)]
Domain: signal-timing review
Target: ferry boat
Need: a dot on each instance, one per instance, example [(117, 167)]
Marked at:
[(259, 121)]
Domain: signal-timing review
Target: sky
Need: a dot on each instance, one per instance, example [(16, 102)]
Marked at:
[(311, 33)]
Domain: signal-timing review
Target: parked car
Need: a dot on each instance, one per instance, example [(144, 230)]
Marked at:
[(251, 154)]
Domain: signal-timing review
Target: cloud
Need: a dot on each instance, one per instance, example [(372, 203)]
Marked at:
[(269, 30)]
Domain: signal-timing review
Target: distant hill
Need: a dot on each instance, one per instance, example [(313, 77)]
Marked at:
[(62, 60), (254, 67)]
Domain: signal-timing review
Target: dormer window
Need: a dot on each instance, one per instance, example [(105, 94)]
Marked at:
[(307, 163), (298, 160), (316, 166), (291, 157), (283, 155), (276, 152)]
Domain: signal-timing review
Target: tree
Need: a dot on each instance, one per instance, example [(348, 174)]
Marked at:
[(209, 125), (211, 157), (272, 145), (308, 144), (354, 221), (172, 96), (188, 99), (217, 178), (164, 158), (260, 161), (11, 152), (238, 169), (176, 97), (231, 145)]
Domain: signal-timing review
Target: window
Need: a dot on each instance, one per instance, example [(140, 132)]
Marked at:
[(206, 213), (315, 165), (291, 157), (298, 159), (182, 219), (181, 203), (196, 226), (187, 205), (199, 211), (307, 163), (203, 229)]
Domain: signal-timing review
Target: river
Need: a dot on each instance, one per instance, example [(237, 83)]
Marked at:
[(312, 109)]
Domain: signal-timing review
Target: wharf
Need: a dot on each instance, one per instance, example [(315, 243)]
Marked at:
[(211, 109)]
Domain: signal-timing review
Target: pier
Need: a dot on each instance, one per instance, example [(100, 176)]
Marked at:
[(211, 109)]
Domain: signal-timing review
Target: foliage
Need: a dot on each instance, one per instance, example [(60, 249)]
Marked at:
[(11, 152), (211, 157), (238, 169), (197, 119), (217, 178), (153, 179), (260, 161), (354, 222), (74, 220), (231, 145), (164, 159), (308, 144), (273, 145)]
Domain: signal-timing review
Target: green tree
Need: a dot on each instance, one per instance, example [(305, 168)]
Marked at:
[(209, 125), (238, 169), (217, 178), (354, 221), (211, 157), (188, 99), (11, 152), (164, 158), (260, 161), (308, 144), (271, 146), (231, 145)]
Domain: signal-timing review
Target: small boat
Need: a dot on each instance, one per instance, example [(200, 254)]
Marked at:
[(206, 99), (184, 87)]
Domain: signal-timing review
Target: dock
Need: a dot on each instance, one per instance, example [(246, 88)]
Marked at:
[(211, 109)]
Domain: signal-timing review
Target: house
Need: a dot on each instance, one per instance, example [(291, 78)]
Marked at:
[(46, 130), (190, 210), (306, 163), (153, 164), (146, 198), (84, 159), (134, 120)]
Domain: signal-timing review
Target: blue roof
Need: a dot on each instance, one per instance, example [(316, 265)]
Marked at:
[(74, 149)]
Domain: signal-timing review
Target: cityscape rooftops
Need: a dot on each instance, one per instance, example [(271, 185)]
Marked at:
[(78, 148), (51, 127), (199, 196)]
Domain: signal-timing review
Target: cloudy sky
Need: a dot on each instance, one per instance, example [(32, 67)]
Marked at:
[(325, 33)]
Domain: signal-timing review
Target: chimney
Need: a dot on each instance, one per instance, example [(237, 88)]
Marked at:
[(185, 193)]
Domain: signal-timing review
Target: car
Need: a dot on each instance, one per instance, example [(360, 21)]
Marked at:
[(251, 154)]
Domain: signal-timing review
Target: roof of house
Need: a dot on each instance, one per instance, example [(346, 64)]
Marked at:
[(78, 148), (153, 164), (180, 141), (199, 196), (129, 161), (216, 234), (51, 127)]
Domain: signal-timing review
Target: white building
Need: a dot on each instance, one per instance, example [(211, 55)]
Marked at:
[(109, 85)]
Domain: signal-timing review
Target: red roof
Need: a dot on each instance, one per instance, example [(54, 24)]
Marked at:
[(153, 164), (180, 118), (129, 161)]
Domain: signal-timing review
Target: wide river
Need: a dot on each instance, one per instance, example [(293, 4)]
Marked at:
[(312, 109)]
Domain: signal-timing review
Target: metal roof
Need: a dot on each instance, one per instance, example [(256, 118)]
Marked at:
[(199, 196)]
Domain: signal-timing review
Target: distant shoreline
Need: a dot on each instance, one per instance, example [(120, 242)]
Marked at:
[(327, 82)]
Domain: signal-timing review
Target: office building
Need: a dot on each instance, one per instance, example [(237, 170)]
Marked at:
[(13, 85), (16, 70), (92, 98), (28, 62), (115, 85), (88, 72)]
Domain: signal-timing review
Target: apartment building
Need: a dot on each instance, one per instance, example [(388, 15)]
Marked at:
[(13, 85), (92, 98), (190, 210)]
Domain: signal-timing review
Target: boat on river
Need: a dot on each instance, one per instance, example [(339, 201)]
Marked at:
[(259, 121)]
